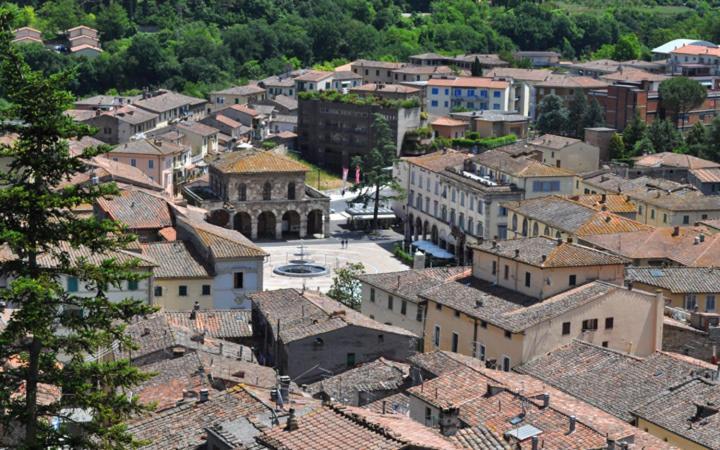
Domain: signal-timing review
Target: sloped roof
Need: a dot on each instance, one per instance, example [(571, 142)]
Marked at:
[(155, 147), (166, 101), (218, 323), (677, 43), (248, 89), (439, 160), (225, 243), (518, 74), (469, 82), (378, 375), (257, 162), (553, 141), (410, 283), (137, 209), (176, 259), (632, 74), (678, 280), (448, 122), (691, 49), (670, 159), (615, 203), (518, 166)]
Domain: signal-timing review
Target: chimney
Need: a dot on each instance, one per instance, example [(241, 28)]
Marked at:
[(517, 253), (535, 443), (572, 424), (204, 395), (478, 303), (449, 421), (285, 388), (696, 241), (702, 237), (545, 400), (676, 231), (569, 240), (544, 258), (292, 422)]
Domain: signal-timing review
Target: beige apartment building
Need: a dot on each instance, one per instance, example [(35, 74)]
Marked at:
[(236, 95), (690, 288), (160, 160), (567, 153)]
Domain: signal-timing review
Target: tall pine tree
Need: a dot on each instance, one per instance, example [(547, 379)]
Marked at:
[(42, 345)]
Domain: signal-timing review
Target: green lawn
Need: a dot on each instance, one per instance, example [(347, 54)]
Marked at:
[(318, 178)]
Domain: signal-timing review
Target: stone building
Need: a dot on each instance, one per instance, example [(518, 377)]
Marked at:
[(263, 195)]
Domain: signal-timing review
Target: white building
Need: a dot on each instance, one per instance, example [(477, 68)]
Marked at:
[(467, 93)]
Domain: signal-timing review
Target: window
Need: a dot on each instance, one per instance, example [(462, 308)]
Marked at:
[(434, 103), (480, 351), (436, 336), (605, 344), (686, 219), (494, 267), (506, 273), (151, 164), (690, 302), (652, 214), (535, 229), (455, 339), (182, 291), (609, 323), (483, 324), (496, 94), (438, 306), (435, 91), (457, 313), (267, 191), (205, 289), (72, 284), (403, 307), (390, 302), (565, 328), (291, 191), (590, 325), (242, 192), (238, 281), (506, 364), (513, 223), (546, 186), (350, 359), (664, 218), (428, 416), (496, 106), (419, 313), (527, 279), (573, 280), (133, 162), (508, 334), (158, 291), (372, 295), (710, 303)]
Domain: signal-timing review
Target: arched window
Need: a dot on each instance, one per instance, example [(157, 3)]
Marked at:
[(480, 232), (470, 225), (536, 229), (525, 227), (558, 235), (418, 202), (546, 232), (514, 222), (267, 191), (291, 191), (242, 192)]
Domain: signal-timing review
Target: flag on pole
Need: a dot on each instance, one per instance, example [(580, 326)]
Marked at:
[(345, 171), (357, 174)]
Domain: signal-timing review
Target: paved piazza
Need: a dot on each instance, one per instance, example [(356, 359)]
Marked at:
[(373, 256)]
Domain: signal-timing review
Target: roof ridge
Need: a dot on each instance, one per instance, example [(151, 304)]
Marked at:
[(362, 421)]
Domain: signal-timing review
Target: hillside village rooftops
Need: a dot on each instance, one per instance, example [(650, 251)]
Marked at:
[(678, 280), (616, 203), (167, 101), (175, 260), (670, 159), (302, 315), (217, 323), (155, 147), (137, 209), (315, 75), (627, 383), (248, 89), (553, 141), (685, 199), (571, 82), (468, 82), (634, 75), (518, 74), (379, 375), (619, 184), (257, 161), (438, 161), (410, 283), (386, 88), (696, 50), (549, 253), (424, 70), (518, 166)]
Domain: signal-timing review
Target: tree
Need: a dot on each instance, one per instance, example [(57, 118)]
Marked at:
[(680, 95), (712, 149), (664, 136), (51, 331), (696, 139), (643, 147), (634, 131), (346, 288), (476, 68), (594, 116), (577, 111), (113, 22), (376, 167), (617, 147), (627, 47), (552, 115)]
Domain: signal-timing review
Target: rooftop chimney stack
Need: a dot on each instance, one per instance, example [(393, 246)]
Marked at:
[(292, 422), (676, 231), (449, 421), (517, 252), (546, 400), (204, 395), (535, 443), (573, 421), (603, 198)]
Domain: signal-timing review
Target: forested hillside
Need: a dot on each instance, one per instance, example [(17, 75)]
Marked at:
[(197, 45)]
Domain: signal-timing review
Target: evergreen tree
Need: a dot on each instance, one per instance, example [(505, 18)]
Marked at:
[(643, 147), (664, 136), (51, 331), (617, 147), (712, 149), (376, 167), (594, 116), (680, 95), (696, 139), (634, 131), (552, 116), (577, 111), (476, 68)]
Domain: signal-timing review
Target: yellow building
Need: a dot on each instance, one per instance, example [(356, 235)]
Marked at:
[(180, 278), (691, 288)]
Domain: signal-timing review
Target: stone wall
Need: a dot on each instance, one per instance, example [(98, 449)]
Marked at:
[(683, 339)]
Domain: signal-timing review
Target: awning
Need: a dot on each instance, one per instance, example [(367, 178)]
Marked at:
[(370, 216), (432, 249)]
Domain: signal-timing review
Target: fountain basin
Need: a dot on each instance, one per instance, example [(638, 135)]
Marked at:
[(301, 270)]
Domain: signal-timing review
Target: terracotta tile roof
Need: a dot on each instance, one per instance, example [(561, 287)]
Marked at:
[(689, 410), (631, 74), (310, 314), (574, 217), (168, 233), (686, 248), (225, 243), (518, 74), (106, 169), (314, 75), (478, 438), (571, 82), (80, 115), (225, 120), (173, 378), (379, 375), (612, 381), (155, 147), (424, 70), (448, 122), (377, 64), (710, 175), (678, 280), (697, 50), (686, 199), (78, 48), (257, 162), (197, 128), (286, 102), (670, 159), (518, 166), (469, 82), (167, 101), (394, 404), (553, 141), (137, 209), (217, 323), (615, 203), (176, 260), (616, 183), (391, 88), (246, 110), (409, 283), (248, 89), (439, 160), (546, 252), (131, 114), (183, 427)]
